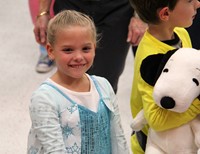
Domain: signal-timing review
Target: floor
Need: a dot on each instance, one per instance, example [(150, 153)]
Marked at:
[(18, 56)]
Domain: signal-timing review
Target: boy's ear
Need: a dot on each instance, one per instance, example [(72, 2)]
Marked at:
[(164, 14), (50, 51)]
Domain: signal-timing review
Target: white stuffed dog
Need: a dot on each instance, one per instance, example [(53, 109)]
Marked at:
[(175, 89)]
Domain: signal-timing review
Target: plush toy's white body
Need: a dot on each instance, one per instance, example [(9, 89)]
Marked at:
[(179, 84), (180, 140)]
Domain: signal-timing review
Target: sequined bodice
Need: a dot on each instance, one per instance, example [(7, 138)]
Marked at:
[(95, 130)]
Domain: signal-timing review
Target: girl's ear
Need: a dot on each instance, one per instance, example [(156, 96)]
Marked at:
[(164, 14), (50, 51)]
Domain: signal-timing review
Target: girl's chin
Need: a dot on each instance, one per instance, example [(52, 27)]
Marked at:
[(78, 76)]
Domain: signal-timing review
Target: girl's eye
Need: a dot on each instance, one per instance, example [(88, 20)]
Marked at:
[(67, 50), (86, 49)]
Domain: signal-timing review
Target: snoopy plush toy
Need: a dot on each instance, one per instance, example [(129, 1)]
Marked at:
[(177, 86)]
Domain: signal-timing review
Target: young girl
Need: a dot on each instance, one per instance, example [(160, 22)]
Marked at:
[(73, 112)]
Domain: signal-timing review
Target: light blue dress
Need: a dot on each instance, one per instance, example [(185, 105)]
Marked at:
[(60, 125)]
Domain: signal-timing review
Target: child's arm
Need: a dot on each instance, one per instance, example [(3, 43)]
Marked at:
[(119, 143), (45, 123), (161, 119)]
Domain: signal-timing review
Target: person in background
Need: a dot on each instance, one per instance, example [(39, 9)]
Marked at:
[(166, 20), (72, 111), (115, 21), (44, 64)]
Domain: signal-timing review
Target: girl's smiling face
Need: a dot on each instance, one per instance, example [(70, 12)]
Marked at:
[(73, 51)]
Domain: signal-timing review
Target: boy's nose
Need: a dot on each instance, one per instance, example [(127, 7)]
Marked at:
[(197, 4)]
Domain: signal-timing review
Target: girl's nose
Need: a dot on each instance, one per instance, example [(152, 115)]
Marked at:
[(78, 56)]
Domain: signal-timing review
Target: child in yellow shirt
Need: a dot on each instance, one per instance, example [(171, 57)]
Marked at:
[(166, 21)]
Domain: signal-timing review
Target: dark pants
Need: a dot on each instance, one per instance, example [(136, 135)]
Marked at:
[(111, 18)]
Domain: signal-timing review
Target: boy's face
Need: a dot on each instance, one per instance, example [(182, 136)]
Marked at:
[(184, 13)]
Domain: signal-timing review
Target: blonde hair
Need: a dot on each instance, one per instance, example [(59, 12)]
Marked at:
[(69, 18)]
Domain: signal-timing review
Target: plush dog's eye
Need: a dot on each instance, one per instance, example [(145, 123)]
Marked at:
[(195, 81), (166, 70)]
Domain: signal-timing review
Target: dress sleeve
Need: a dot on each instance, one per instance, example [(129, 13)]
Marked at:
[(118, 140), (161, 119), (45, 123)]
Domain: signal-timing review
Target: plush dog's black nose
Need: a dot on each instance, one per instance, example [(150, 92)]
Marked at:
[(167, 102)]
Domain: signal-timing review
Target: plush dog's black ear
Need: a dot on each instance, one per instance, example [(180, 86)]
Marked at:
[(149, 68), (153, 65)]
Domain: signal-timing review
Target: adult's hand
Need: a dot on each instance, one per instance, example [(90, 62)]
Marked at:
[(136, 31), (41, 28)]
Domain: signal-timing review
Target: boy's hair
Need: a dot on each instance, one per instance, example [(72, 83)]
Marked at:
[(147, 10), (68, 18)]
